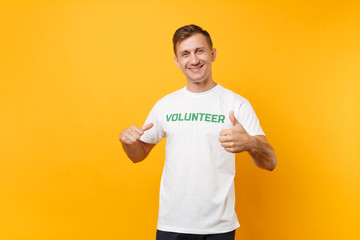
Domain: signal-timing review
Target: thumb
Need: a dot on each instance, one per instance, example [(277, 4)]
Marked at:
[(233, 120), (147, 126)]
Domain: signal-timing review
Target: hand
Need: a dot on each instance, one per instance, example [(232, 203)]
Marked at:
[(132, 134), (236, 139)]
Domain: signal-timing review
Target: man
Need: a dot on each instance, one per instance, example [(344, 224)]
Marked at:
[(204, 125)]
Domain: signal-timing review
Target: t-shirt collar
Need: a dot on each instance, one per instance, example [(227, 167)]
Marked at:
[(211, 90)]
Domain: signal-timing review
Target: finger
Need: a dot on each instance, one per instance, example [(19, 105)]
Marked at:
[(129, 139), (147, 126), (223, 139), (134, 135), (136, 129), (227, 144), (233, 120), (226, 132), (230, 150)]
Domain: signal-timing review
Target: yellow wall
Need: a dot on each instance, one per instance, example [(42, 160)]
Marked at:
[(74, 74)]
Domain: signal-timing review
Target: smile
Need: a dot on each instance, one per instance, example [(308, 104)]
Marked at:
[(196, 69)]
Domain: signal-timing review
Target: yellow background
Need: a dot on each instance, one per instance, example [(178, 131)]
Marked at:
[(74, 74)]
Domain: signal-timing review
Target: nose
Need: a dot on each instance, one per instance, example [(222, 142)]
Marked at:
[(194, 60)]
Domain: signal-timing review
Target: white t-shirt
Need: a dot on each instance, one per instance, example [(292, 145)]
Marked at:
[(197, 186)]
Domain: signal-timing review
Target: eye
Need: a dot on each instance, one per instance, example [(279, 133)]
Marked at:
[(200, 51), (185, 54)]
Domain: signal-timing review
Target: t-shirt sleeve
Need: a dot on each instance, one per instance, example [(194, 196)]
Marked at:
[(247, 117), (156, 133)]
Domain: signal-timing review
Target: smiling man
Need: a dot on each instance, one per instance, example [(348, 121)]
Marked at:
[(204, 124)]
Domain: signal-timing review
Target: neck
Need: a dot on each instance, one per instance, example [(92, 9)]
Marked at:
[(199, 87)]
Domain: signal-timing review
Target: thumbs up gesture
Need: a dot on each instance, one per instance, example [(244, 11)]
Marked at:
[(132, 134), (235, 139)]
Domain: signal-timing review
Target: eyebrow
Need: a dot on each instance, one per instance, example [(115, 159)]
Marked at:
[(190, 50)]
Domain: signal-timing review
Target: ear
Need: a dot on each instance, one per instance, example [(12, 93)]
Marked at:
[(176, 62), (213, 54)]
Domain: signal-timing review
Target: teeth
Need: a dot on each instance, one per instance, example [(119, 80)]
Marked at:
[(196, 68)]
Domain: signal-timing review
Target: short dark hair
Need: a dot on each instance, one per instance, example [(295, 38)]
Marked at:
[(186, 32)]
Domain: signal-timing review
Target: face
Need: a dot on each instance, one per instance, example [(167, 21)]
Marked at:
[(194, 57)]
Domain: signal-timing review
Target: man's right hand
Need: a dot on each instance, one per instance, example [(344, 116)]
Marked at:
[(131, 135)]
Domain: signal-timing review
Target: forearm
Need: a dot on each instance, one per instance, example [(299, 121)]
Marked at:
[(136, 152), (134, 148), (262, 154)]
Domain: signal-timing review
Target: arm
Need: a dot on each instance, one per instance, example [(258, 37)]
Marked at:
[(134, 148), (262, 153), (236, 140)]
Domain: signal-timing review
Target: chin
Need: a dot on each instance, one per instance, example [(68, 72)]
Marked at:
[(201, 78), (196, 80)]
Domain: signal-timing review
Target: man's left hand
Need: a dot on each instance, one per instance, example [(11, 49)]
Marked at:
[(236, 139)]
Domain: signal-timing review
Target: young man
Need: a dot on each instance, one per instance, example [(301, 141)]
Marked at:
[(204, 125)]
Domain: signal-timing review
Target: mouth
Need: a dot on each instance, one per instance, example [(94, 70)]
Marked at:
[(195, 69)]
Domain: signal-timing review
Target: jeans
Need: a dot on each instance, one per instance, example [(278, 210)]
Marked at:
[(162, 235)]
